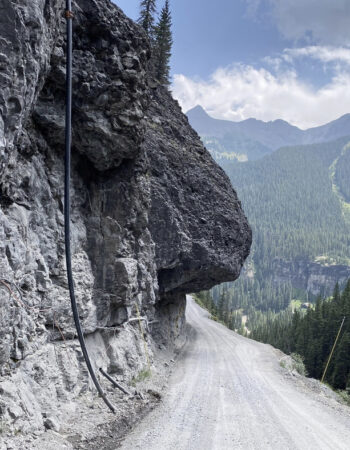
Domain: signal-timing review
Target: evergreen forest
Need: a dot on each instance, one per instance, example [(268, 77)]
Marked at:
[(312, 335), (296, 202)]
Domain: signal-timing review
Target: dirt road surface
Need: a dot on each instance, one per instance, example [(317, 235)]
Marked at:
[(229, 392)]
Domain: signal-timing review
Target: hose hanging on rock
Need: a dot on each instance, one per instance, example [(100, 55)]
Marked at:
[(68, 133)]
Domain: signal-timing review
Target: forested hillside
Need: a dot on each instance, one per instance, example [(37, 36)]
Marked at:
[(312, 336), (235, 147), (294, 201), (289, 200), (342, 175)]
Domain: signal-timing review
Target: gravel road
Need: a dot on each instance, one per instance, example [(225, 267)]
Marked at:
[(229, 392)]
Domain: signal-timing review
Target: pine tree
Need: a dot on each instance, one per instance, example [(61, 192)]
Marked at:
[(312, 335), (341, 370), (146, 19), (163, 45), (221, 306), (226, 312)]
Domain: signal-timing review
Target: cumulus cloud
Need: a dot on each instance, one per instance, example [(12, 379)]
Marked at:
[(325, 54), (243, 91), (318, 21), (275, 90)]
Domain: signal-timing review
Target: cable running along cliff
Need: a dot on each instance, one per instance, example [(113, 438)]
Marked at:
[(68, 134)]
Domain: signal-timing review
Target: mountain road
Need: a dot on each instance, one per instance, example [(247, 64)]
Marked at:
[(230, 392)]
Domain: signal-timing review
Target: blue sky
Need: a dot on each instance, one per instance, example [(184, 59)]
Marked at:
[(267, 59), (209, 34)]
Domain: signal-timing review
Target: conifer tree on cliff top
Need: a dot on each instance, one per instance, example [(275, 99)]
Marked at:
[(146, 19), (164, 41)]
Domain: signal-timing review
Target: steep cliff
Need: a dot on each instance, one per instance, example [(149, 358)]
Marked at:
[(310, 276), (153, 216)]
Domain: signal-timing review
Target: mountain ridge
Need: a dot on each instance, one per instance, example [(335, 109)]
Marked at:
[(237, 137)]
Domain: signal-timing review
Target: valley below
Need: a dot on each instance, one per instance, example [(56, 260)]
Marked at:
[(294, 187)]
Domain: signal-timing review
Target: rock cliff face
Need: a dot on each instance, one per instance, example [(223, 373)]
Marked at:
[(153, 216), (310, 276)]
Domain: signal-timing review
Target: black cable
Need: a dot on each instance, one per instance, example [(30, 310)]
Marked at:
[(68, 139), (115, 384)]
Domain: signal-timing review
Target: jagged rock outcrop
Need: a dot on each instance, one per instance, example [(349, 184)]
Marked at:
[(310, 276), (153, 217)]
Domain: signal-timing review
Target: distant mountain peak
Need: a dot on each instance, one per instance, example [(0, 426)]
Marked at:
[(272, 134), (280, 121), (198, 111)]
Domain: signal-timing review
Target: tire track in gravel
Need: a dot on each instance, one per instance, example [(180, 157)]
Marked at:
[(229, 392)]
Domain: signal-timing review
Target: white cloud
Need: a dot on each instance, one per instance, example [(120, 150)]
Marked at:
[(325, 54), (253, 7), (318, 21), (242, 91), (275, 90)]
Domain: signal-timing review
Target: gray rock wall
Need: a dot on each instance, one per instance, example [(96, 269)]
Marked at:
[(313, 277), (153, 217)]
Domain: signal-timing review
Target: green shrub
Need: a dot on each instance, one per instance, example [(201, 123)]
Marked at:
[(298, 364), (141, 376)]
